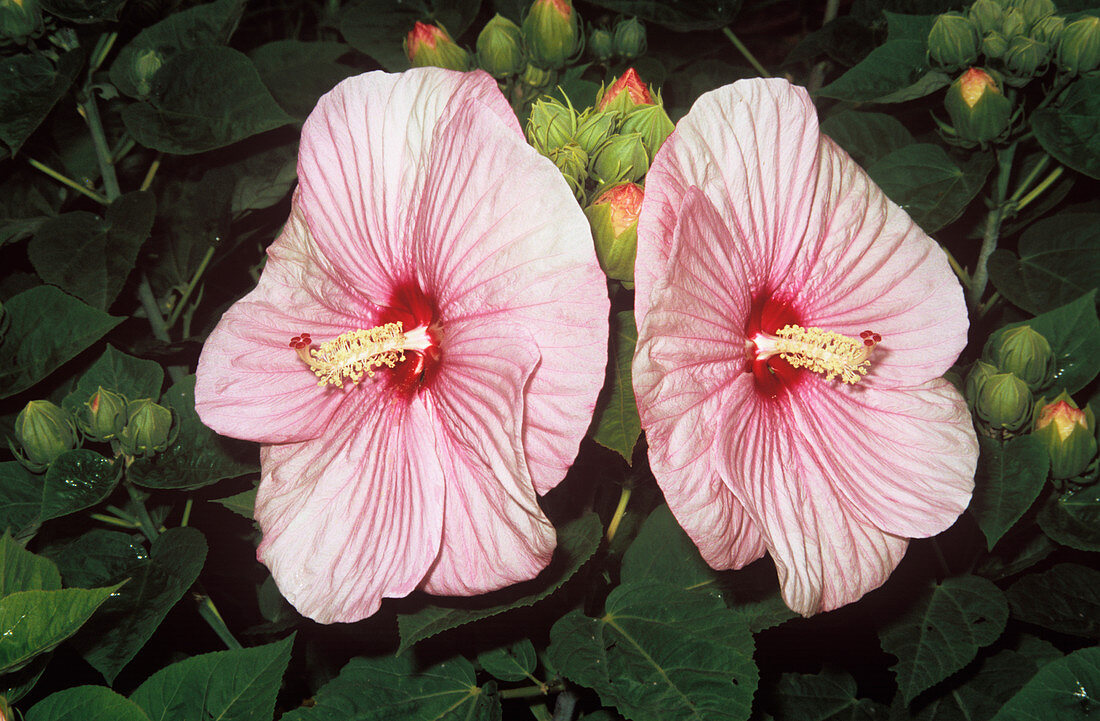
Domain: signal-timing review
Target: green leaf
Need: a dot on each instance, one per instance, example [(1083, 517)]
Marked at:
[(894, 72), (618, 425), (239, 684), (1073, 332), (1017, 554), (20, 498), (76, 480), (577, 541), (389, 688), (1062, 690), (203, 99), (1010, 476), (86, 703), (91, 257), (21, 570), (827, 696), (680, 16), (660, 653), (378, 27), (33, 622), (30, 86), (84, 11), (515, 662), (942, 632), (46, 329), (298, 73), (867, 136), (158, 580), (923, 180), (1070, 130), (198, 456), (243, 504), (1073, 518), (977, 693), (118, 372), (263, 179), (16, 685), (1066, 599)]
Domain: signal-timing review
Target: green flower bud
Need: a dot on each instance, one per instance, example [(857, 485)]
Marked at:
[(572, 161), (601, 45), (430, 45), (621, 159), (625, 93), (630, 38), (953, 41), (985, 16), (1004, 402), (552, 32), (102, 416), (148, 428), (1024, 352), (594, 128), (537, 77), (500, 48), (19, 19), (978, 374), (1025, 57), (979, 110), (653, 123), (1048, 30), (1069, 435), (614, 219), (994, 45), (45, 431), (1079, 47), (1033, 11), (146, 65), (550, 125), (1013, 23)]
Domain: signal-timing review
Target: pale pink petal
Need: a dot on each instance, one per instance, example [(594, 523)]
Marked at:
[(500, 238), (354, 516), (494, 533)]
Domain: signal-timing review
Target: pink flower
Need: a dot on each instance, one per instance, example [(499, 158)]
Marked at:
[(416, 461), (752, 222)]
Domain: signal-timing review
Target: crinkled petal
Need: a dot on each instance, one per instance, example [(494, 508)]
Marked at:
[(250, 384), (494, 533), (500, 238), (354, 516)]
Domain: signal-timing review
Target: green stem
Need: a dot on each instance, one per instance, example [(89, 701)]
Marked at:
[(529, 691), (144, 520), (102, 49), (1039, 166), (940, 557), (190, 288), (541, 712), (620, 511), (1047, 182), (151, 173), (122, 148), (102, 151), (156, 322), (209, 613), (103, 518), (68, 181), (187, 512), (989, 243), (746, 53)]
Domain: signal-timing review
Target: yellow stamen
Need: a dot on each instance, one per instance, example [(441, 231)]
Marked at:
[(821, 351), (357, 353)]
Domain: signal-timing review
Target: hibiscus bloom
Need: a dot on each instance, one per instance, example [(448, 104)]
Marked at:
[(794, 325), (422, 354)]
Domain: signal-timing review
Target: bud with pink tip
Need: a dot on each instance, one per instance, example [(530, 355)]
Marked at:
[(614, 219), (430, 45), (1069, 434)]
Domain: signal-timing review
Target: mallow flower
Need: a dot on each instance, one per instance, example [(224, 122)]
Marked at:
[(423, 351), (793, 327)]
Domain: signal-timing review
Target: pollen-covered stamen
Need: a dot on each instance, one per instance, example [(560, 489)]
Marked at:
[(821, 351), (357, 353)]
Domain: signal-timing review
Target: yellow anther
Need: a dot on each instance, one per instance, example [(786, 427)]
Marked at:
[(826, 352), (357, 353)]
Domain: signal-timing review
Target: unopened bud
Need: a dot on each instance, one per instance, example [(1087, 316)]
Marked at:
[(500, 48), (430, 45), (630, 40), (654, 125), (1023, 351), (978, 374), (19, 19), (103, 416), (1079, 47), (614, 219), (594, 128), (1033, 11), (1004, 402), (146, 65), (979, 110), (1049, 30), (148, 428), (551, 30), (45, 431), (994, 45), (551, 125), (1013, 23), (624, 94), (1025, 57), (985, 16), (621, 159), (536, 77), (601, 45), (1069, 435), (953, 42), (572, 161)]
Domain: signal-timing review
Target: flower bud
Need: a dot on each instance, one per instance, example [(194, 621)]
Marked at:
[(985, 16), (1048, 30), (1024, 57), (1079, 47), (979, 110), (500, 48), (431, 45), (537, 77), (45, 431), (625, 93), (148, 428), (614, 219), (1069, 435), (1004, 402), (102, 416), (1024, 352), (19, 19), (1033, 11), (994, 45), (1013, 24), (621, 159), (552, 33), (953, 41), (630, 39), (594, 128), (978, 374), (654, 125), (146, 65), (551, 125), (572, 161), (601, 45)]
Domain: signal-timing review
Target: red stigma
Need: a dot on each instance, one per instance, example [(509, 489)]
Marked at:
[(301, 341)]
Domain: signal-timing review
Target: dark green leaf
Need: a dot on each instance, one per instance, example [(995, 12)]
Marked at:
[(577, 541), (378, 27), (33, 622), (118, 372), (923, 180), (203, 99), (30, 86), (1059, 261), (198, 456), (91, 257), (1070, 130), (239, 685), (660, 653), (157, 581), (617, 423), (943, 631), (20, 498), (978, 692), (892, 73), (243, 504), (86, 703), (515, 662), (298, 73), (76, 480), (16, 685), (1010, 476), (258, 181), (84, 11), (1073, 518), (867, 136), (1062, 690), (681, 16), (24, 204), (384, 689), (1017, 554), (1073, 332), (47, 328), (1066, 598), (21, 570), (827, 696)]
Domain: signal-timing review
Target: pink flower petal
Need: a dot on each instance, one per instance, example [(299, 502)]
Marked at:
[(354, 516)]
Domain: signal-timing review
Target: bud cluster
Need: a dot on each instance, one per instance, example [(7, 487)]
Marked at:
[(627, 40)]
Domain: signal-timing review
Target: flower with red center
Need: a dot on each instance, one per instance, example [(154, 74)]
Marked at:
[(793, 325), (422, 354), (625, 93)]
